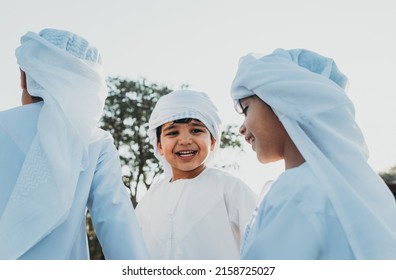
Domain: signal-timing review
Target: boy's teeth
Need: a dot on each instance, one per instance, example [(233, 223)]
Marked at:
[(186, 153)]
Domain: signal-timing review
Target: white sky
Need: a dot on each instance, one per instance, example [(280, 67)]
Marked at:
[(199, 42)]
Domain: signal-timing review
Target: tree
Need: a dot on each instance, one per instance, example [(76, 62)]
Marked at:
[(389, 176)]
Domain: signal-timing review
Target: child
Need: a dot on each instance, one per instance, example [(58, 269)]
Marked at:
[(55, 163), (195, 212), (329, 203)]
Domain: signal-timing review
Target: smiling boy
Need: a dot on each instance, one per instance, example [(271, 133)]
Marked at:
[(195, 211)]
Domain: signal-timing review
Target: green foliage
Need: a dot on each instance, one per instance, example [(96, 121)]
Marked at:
[(95, 250), (230, 138), (389, 176)]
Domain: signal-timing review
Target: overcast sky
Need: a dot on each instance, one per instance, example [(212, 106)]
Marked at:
[(175, 42)]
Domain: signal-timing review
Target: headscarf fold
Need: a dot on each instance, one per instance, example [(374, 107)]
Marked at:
[(66, 72), (306, 92), (182, 104)]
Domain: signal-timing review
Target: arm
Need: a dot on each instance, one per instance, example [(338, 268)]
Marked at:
[(112, 212), (241, 202)]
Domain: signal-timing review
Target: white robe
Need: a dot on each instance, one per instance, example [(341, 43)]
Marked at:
[(199, 218), (296, 220), (100, 189)]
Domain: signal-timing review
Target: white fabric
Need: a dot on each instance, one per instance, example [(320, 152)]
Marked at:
[(73, 91), (305, 90), (200, 218), (99, 188), (182, 104), (73, 44), (296, 220), (264, 191)]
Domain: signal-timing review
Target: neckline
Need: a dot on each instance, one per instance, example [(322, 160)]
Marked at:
[(169, 180)]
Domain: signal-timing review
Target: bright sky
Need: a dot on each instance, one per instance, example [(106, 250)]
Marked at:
[(199, 43)]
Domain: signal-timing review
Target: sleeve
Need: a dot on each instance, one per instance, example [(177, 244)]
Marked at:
[(241, 202), (112, 212), (284, 232)]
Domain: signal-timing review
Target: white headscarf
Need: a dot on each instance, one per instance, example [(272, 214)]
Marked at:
[(65, 71), (306, 92), (182, 104)]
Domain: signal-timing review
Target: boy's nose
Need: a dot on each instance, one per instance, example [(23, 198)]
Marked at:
[(185, 139), (242, 129)]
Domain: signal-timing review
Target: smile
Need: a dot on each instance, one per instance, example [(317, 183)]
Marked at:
[(249, 139), (186, 154)]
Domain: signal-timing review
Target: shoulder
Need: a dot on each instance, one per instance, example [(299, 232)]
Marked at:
[(222, 176), (158, 184), (226, 180), (102, 148), (20, 124), (101, 139), (33, 108), (101, 136), (151, 191), (21, 116), (299, 187)]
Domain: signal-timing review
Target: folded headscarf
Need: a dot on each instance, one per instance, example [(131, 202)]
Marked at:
[(66, 72), (182, 104), (306, 92)]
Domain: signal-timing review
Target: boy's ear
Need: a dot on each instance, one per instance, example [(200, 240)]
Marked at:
[(159, 146), (212, 143)]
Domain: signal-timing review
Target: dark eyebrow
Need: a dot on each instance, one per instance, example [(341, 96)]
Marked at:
[(172, 126), (198, 124), (247, 99), (193, 123)]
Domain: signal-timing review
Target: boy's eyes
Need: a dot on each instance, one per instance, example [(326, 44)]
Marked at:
[(197, 130), (171, 133), (176, 132)]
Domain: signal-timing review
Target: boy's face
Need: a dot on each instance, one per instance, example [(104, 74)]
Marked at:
[(185, 146), (263, 130)]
